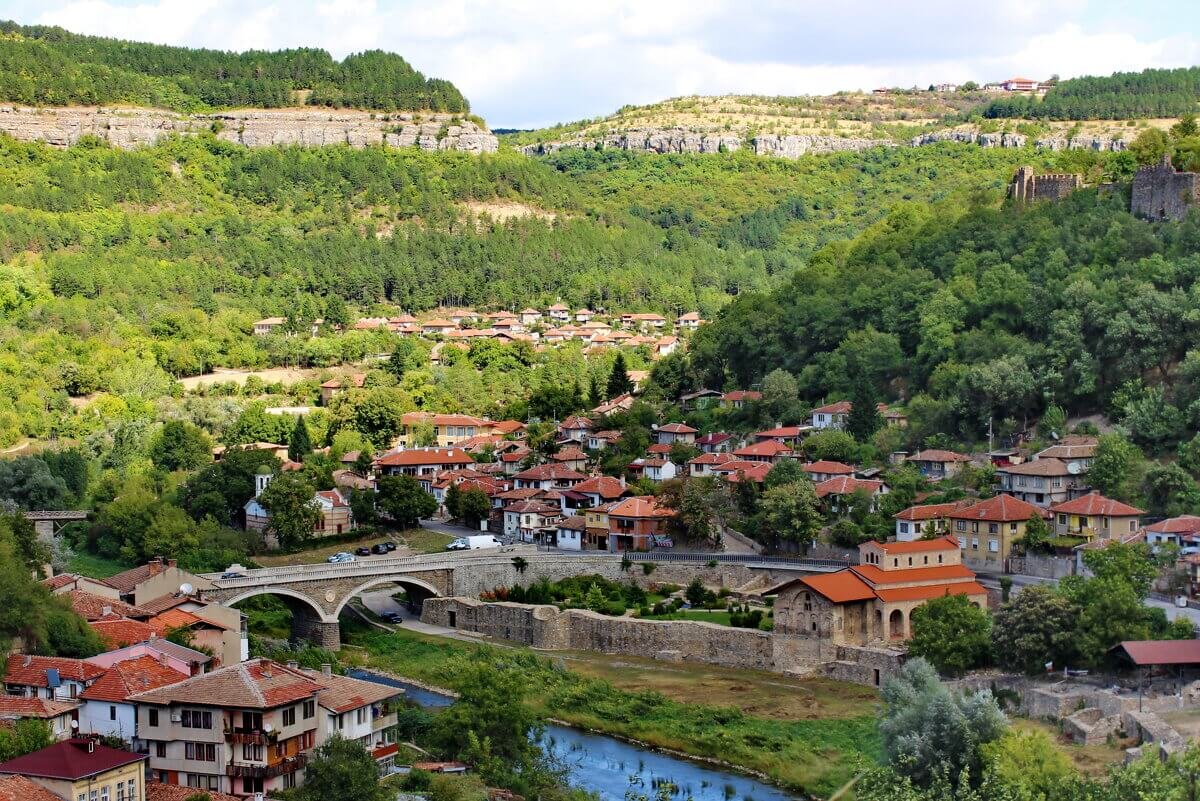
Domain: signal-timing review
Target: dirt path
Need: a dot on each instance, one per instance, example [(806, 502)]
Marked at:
[(274, 375)]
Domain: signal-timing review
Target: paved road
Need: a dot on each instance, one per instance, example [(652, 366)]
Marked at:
[(1173, 612), (381, 602)]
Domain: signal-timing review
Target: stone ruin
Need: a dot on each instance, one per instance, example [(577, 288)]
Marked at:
[(1026, 187), (1161, 193)]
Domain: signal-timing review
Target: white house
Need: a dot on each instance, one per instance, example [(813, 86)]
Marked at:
[(107, 710), (570, 533), (832, 415)]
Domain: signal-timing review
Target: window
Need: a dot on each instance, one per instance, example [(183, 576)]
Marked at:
[(975, 543), (1062, 520), (104, 793), (962, 542), (252, 721), (201, 752), (994, 546), (251, 785), (252, 752), (121, 791), (289, 780), (112, 712), (93, 795), (310, 709), (960, 525), (202, 781), (1133, 525), (903, 528), (361, 715), (153, 715), (993, 528), (196, 719), (160, 749), (289, 716)]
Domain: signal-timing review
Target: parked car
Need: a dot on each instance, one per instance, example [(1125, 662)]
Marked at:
[(458, 545), (340, 557), (379, 548), (392, 617), (391, 546), (363, 551)]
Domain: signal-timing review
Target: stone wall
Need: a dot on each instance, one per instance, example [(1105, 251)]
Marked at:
[(547, 627), (1027, 187), (1050, 567), (133, 127), (1161, 193)]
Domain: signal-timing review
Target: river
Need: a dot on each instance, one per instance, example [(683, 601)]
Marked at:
[(610, 767)]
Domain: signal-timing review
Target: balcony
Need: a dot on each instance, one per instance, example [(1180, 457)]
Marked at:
[(289, 765), (254, 736)]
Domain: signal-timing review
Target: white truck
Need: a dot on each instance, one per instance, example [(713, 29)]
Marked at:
[(474, 543)]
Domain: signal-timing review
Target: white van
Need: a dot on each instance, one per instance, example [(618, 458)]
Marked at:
[(474, 543)]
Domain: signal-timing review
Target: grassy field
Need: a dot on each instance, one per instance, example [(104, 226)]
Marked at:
[(1090, 760), (93, 566), (413, 541), (805, 735), (422, 540)]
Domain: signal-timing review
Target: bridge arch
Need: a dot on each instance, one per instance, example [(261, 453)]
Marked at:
[(427, 589), (296, 601)]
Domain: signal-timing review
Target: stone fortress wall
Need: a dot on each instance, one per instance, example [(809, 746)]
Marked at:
[(134, 127), (1161, 193), (1028, 187)]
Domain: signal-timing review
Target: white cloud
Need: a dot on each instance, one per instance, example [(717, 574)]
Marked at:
[(533, 62)]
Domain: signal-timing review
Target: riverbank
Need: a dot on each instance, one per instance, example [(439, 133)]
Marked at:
[(812, 747)]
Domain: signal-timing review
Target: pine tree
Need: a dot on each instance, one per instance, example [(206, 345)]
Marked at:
[(619, 382), (300, 445), (595, 397), (864, 418), (454, 502)]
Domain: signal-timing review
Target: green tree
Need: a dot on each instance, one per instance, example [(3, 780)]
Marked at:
[(179, 445), (475, 507), (1036, 627), (1150, 146), (299, 444), (929, 732), (453, 501), (1053, 422), (831, 444), (1037, 535), (781, 394), (288, 498), (492, 708), (619, 381), (403, 500), (864, 418), (24, 737), (790, 513), (1030, 764), (784, 472), (342, 770), (952, 633), (1115, 466)]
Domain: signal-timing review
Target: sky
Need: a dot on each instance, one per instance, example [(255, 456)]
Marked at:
[(532, 63)]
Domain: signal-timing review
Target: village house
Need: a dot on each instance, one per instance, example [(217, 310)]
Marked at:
[(335, 515), (703, 465), (936, 465), (716, 442), (1019, 85), (791, 436), (107, 710), (599, 440), (49, 677), (655, 469), (831, 415), (916, 522), (336, 386), (268, 325), (1182, 532), (736, 472), (825, 469), (1042, 482), (527, 520), (621, 403), (448, 430), (187, 661), (422, 462), (559, 313), (872, 602), (65, 583), (700, 399), (82, 768), (584, 315), (665, 346), (835, 491), (1076, 452), (57, 715), (689, 321), (529, 316), (600, 489), (241, 729), (574, 429), (987, 530), (570, 532), (637, 524), (1094, 516), (548, 477), (768, 450), (361, 711), (671, 433)]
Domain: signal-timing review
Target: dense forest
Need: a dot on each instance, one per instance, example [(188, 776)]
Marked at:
[(1122, 95), (42, 65), (987, 314)]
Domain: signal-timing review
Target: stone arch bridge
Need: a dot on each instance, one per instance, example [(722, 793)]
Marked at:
[(317, 593)]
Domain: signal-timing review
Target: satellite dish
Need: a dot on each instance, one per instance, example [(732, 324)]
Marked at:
[(268, 728), (1074, 468), (186, 589), (74, 724)]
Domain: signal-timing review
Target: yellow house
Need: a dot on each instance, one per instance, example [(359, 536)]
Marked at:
[(595, 521), (1094, 516), (82, 769), (987, 530), (446, 430)]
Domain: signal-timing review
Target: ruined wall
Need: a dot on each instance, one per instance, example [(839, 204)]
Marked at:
[(133, 127), (1027, 187), (547, 627), (1161, 193)]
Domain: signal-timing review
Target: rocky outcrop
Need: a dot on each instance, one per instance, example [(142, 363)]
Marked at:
[(133, 127), (679, 140)]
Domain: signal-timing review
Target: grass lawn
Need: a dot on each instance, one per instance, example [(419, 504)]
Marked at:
[(93, 566), (717, 616), (1090, 760), (422, 540), (805, 735), (325, 551)]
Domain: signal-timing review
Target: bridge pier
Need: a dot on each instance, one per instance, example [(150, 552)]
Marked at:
[(321, 633)]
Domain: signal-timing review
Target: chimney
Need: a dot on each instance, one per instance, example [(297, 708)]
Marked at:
[(293, 664), (25, 662), (171, 562), (105, 611), (326, 669)]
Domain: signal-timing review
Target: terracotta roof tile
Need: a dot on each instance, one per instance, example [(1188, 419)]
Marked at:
[(606, 487), (938, 456), (841, 407), (1038, 467), (927, 591), (256, 684), (840, 587), (846, 485), (19, 788), (30, 671), (342, 693), (827, 467), (1096, 504), (12, 706), (882, 578), (157, 791), (413, 457), (915, 546), (131, 677), (766, 448), (1001, 508), (1184, 524), (117, 632), (94, 607)]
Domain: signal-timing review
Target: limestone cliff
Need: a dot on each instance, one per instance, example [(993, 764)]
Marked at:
[(132, 127)]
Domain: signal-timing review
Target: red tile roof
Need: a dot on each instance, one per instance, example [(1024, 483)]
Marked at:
[(840, 587), (117, 632), (1184, 524), (882, 578), (157, 791), (715, 438), (131, 677), (678, 428), (18, 788), (71, 760), (13, 706), (550, 472), (607, 487), (766, 448), (784, 432), (934, 455), (841, 407), (256, 684), (1161, 652), (931, 511), (915, 546), (927, 591), (342, 693), (94, 607), (827, 467), (756, 472), (846, 485), (1096, 504), (1038, 467), (999, 509), (741, 394), (576, 421), (128, 580), (414, 457), (30, 671), (640, 506)]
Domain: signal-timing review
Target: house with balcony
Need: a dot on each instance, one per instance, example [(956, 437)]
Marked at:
[(527, 520), (242, 729), (936, 465), (1094, 516), (987, 530), (106, 708), (49, 677), (362, 711), (1041, 482), (635, 524)]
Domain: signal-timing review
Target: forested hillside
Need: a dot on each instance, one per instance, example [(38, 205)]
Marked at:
[(987, 313), (1122, 95), (50, 66), (123, 269)]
